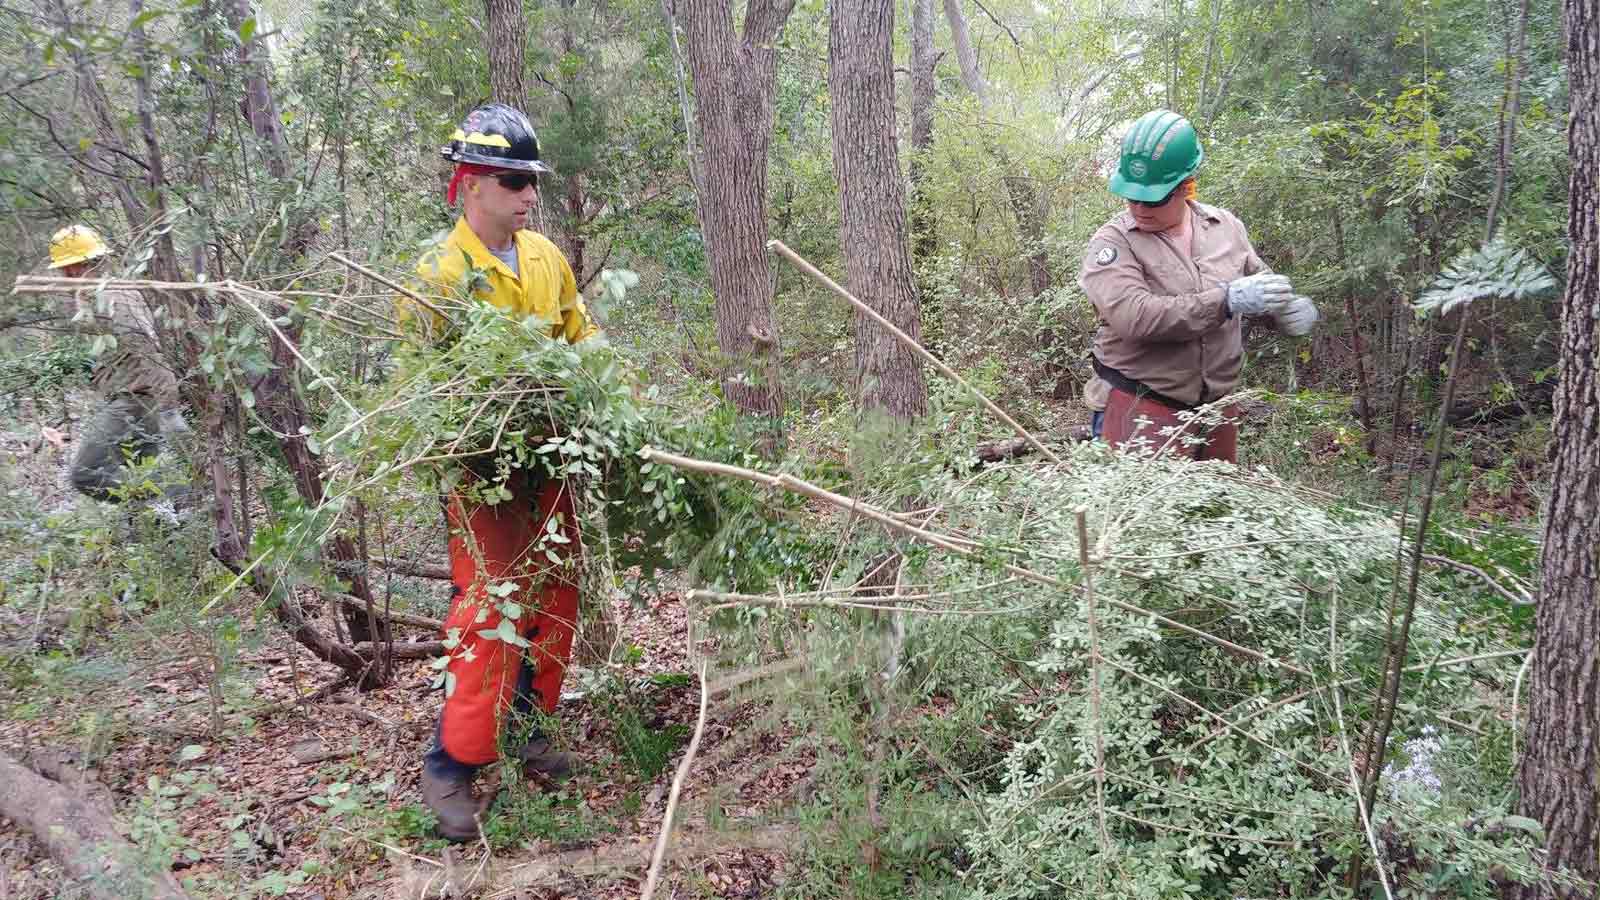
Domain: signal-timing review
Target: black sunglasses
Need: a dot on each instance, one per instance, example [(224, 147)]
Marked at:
[(517, 181), (1156, 204)]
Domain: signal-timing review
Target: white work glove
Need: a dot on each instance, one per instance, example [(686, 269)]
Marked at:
[(1252, 294), (1295, 315)]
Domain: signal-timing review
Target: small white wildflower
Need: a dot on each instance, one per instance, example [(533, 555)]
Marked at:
[(1422, 750)]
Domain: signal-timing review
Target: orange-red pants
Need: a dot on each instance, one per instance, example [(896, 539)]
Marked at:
[(490, 545), (1124, 410)]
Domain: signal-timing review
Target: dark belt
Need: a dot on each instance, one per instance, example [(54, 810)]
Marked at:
[(1135, 387)]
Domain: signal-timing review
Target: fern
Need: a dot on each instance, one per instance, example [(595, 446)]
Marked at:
[(1497, 269)]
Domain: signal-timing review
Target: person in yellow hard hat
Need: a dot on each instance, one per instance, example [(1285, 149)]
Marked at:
[(139, 391)]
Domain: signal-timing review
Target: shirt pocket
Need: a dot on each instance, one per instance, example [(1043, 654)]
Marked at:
[(1224, 263), (1169, 277)]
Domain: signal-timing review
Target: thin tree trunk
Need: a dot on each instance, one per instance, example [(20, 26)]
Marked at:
[(283, 404), (1355, 336), (734, 77), (1510, 108), (1401, 384), (1210, 56), (924, 242), (1559, 779), (923, 58), (1022, 192), (166, 257), (872, 205), (506, 37)]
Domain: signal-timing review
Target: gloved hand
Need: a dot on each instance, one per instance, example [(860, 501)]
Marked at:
[(1250, 295), (1295, 316)]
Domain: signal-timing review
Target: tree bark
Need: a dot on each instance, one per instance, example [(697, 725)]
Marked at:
[(872, 205), (80, 836), (733, 78), (507, 37), (1559, 780)]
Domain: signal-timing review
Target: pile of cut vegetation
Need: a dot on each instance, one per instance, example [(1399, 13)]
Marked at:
[(1192, 713)]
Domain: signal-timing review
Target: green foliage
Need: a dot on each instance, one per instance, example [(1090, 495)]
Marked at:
[(1220, 779), (1497, 269), (501, 401), (1383, 113)]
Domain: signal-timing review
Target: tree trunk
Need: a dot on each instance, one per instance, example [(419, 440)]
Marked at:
[(1559, 780), (1357, 346), (507, 37), (872, 205), (733, 80), (923, 92), (81, 837), (567, 183)]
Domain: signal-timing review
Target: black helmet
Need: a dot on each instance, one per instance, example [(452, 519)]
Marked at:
[(496, 135)]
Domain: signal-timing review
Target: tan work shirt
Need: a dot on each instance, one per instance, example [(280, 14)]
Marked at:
[(135, 364), (1163, 314)]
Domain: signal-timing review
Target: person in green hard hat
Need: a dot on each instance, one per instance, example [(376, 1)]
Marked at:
[(1172, 279)]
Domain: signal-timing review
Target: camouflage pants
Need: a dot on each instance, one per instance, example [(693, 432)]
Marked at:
[(128, 426)]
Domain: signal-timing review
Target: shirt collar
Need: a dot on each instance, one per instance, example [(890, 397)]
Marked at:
[(468, 240), (1203, 214)]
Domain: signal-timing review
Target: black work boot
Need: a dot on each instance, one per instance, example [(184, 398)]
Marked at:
[(450, 797), (538, 755)]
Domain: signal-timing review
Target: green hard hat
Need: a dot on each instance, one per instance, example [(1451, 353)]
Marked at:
[(1158, 153)]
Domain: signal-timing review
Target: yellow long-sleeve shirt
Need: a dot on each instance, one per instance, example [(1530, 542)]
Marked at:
[(543, 286)]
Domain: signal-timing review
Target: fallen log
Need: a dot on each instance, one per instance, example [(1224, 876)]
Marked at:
[(403, 650), (395, 618), (414, 569), (449, 877), (1012, 448), (80, 836)]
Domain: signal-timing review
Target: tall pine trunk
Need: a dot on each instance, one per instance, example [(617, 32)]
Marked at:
[(1559, 781), (872, 205), (733, 82)]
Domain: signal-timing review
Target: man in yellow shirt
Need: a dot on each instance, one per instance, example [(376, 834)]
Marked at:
[(497, 167)]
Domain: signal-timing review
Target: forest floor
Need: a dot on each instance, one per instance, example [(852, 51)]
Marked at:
[(244, 793), (320, 790)]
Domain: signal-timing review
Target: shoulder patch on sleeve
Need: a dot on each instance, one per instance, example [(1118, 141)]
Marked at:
[(1106, 256)]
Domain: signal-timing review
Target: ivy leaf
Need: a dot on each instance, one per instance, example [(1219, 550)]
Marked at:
[(508, 632)]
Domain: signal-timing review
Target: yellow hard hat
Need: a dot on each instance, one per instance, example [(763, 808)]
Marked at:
[(76, 244)]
